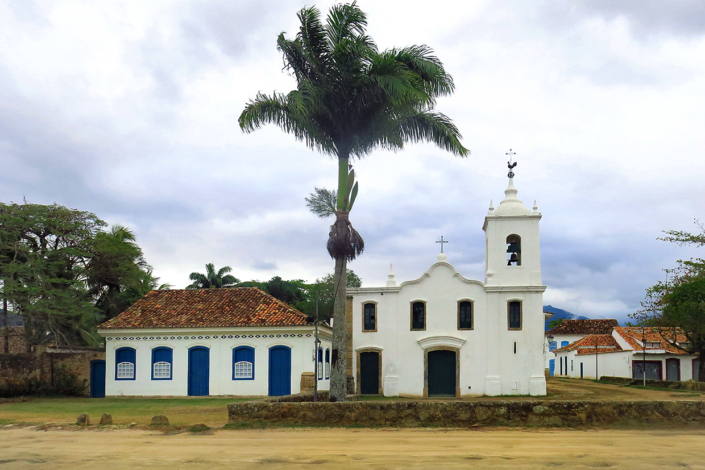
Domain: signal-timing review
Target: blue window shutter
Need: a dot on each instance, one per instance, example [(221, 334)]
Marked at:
[(553, 345), (126, 355), (564, 343), (244, 354), (162, 355)]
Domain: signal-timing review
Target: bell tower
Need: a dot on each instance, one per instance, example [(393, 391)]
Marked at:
[(512, 253)]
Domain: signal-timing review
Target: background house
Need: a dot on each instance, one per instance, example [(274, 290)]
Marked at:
[(569, 331)]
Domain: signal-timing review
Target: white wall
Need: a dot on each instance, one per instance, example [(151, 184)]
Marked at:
[(558, 339), (486, 351), (221, 351), (619, 364)]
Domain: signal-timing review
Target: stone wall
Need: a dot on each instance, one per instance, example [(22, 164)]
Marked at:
[(42, 363), (468, 414), (18, 345), (655, 383)]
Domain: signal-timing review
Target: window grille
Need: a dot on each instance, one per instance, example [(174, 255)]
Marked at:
[(515, 315), (465, 312), (162, 370), (418, 320), (243, 370), (370, 320), (125, 370)]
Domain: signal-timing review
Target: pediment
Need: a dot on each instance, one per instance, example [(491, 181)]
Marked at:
[(435, 341)]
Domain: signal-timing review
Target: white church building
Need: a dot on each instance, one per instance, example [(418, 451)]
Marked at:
[(445, 335)]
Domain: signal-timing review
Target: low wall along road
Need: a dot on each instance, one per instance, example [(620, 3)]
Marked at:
[(467, 414)]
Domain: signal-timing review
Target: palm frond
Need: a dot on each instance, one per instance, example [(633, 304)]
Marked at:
[(322, 202), (432, 127)]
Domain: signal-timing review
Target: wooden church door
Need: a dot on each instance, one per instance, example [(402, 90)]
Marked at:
[(441, 374), (198, 371), (369, 373)]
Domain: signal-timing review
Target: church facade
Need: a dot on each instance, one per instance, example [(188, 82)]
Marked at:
[(445, 335)]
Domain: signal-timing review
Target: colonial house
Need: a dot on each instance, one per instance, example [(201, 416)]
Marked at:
[(445, 335), (238, 341), (621, 354), (569, 331)]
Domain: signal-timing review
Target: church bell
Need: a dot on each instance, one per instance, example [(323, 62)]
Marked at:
[(514, 248), (514, 259)]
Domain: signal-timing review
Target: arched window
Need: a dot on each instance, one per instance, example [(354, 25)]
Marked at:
[(418, 316), (125, 364), (327, 363), (564, 343), (244, 363), (465, 315), (514, 314), (369, 321), (161, 363), (320, 364), (513, 250)]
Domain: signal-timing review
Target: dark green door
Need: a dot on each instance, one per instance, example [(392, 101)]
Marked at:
[(369, 373), (441, 374)]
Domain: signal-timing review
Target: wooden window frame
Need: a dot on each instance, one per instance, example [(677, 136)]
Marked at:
[(170, 362), (521, 315), (472, 314), (234, 353), (411, 315), (367, 302), (134, 363)]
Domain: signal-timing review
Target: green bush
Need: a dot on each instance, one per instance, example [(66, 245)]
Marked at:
[(65, 384)]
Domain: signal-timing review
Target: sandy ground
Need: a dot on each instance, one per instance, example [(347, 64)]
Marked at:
[(22, 448)]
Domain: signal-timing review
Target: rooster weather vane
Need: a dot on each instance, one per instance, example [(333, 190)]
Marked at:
[(511, 165)]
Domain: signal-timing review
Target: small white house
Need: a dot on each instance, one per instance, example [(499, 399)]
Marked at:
[(231, 341), (445, 335), (621, 354), (570, 331)]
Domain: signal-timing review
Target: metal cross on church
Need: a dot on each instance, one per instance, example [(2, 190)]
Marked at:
[(442, 242)]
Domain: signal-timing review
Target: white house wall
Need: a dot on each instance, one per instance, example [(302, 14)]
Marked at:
[(221, 382), (619, 364), (559, 339)]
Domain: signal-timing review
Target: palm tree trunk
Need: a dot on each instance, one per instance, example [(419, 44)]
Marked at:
[(6, 348), (338, 374)]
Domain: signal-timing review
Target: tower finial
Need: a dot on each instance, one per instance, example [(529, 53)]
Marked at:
[(391, 282), (511, 165)]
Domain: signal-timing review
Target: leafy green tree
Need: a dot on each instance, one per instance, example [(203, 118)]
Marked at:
[(213, 278), (325, 289), (679, 303), (44, 267), (350, 99), (554, 323)]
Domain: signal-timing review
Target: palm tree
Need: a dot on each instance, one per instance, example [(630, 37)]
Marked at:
[(351, 99), (213, 279)]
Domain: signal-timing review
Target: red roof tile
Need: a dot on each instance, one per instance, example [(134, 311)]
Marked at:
[(633, 336), (584, 327), (586, 345), (203, 308)]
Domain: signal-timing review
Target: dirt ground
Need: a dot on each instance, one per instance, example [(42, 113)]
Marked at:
[(22, 448)]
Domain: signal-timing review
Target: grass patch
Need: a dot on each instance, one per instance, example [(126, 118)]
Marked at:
[(380, 398), (4, 422), (180, 411)]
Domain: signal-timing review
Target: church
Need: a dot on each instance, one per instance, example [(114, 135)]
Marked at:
[(445, 335)]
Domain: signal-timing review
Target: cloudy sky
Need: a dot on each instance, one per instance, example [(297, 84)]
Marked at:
[(129, 109)]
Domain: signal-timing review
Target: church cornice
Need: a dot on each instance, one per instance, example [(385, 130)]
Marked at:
[(532, 289)]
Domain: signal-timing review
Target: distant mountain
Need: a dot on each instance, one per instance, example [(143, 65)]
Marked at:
[(561, 314)]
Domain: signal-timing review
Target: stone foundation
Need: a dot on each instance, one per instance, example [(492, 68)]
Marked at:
[(467, 414)]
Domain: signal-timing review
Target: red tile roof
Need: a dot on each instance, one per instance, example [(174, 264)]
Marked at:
[(633, 336), (586, 345), (203, 308), (584, 327)]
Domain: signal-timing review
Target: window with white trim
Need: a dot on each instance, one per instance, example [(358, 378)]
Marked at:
[(125, 364), (327, 364), (161, 363), (243, 363)]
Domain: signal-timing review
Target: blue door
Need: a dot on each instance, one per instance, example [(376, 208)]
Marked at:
[(279, 371), (198, 371), (97, 379), (551, 367)]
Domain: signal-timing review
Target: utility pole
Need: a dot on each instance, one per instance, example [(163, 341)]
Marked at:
[(597, 375), (315, 354), (643, 349)]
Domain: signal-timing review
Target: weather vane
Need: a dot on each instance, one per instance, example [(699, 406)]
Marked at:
[(511, 165)]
